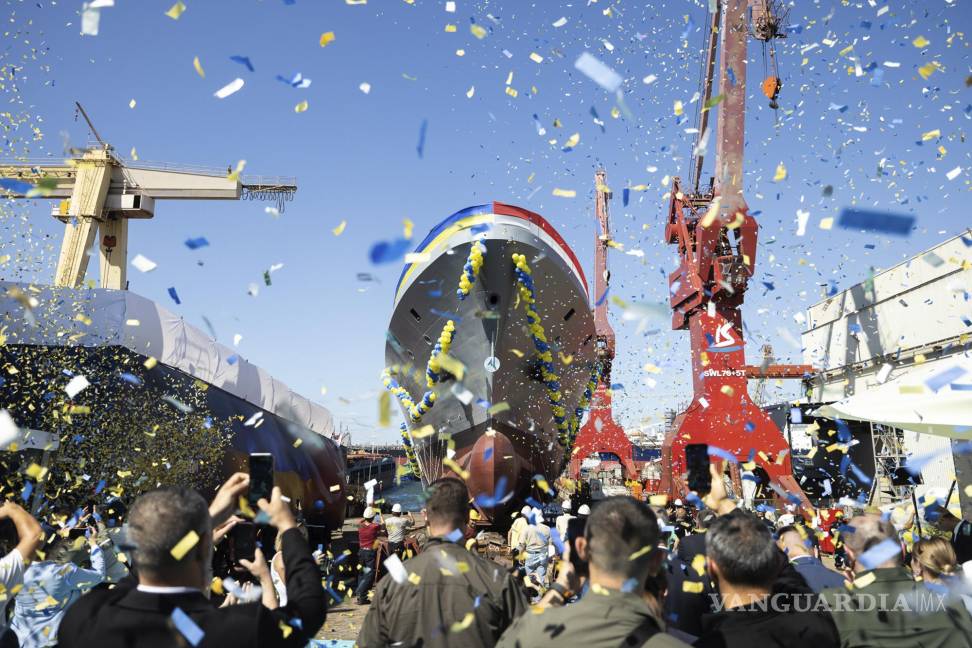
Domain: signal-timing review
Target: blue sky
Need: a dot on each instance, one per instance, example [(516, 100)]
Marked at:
[(355, 158)]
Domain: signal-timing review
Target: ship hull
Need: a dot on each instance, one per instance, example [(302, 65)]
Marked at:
[(493, 425)]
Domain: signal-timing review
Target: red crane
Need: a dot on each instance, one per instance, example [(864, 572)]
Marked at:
[(716, 238), (601, 433)]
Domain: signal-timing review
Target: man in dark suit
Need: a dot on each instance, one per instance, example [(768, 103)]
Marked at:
[(961, 530), (171, 532), (799, 550)]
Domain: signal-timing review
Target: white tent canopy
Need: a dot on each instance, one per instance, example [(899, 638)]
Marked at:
[(935, 400)]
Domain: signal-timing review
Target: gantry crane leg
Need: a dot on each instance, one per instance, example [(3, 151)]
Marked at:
[(86, 209)]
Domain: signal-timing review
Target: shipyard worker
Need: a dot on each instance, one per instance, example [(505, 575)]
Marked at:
[(446, 595), (368, 531), (886, 607), (519, 524), (29, 538), (170, 533), (563, 519), (397, 525), (535, 544), (960, 531), (620, 547), (797, 543)]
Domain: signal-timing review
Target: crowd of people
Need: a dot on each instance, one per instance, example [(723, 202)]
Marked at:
[(620, 572)]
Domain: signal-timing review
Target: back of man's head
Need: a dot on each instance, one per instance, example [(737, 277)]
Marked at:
[(867, 531), (157, 522), (447, 503), (621, 534), (742, 549)]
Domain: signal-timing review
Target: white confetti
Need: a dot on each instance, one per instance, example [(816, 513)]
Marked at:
[(232, 87), (954, 173), (598, 72), (144, 264), (8, 429), (76, 385), (365, 87), (560, 22), (396, 569)]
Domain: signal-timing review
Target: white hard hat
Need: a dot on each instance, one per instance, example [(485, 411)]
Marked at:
[(785, 520), (397, 508), (537, 515), (678, 502), (584, 510), (565, 505), (369, 513), (525, 510)]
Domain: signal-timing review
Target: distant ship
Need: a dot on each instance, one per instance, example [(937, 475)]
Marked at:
[(496, 405)]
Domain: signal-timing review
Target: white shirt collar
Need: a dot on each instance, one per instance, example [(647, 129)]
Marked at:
[(153, 589)]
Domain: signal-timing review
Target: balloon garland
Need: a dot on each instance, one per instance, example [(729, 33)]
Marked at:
[(443, 345), (471, 269), (410, 451)]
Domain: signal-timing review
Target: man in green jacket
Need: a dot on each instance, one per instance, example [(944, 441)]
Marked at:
[(620, 544), (885, 607)]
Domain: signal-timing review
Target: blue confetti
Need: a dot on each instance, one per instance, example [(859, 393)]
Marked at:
[(603, 297), (243, 60), (174, 295), (28, 489), (873, 221), (879, 553), (558, 542), (454, 536), (946, 377), (420, 149), (389, 251), (233, 359), (722, 454), (196, 243), (130, 378), (625, 196), (186, 627), (15, 186)]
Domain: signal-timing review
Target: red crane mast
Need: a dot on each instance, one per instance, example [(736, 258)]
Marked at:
[(716, 239)]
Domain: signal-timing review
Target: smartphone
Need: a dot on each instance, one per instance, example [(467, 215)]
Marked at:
[(575, 529), (243, 537), (261, 477), (697, 460)]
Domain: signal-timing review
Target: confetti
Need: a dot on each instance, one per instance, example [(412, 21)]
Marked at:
[(598, 72), (176, 10), (301, 107), (76, 385), (565, 193), (337, 231), (198, 67), (872, 221), (230, 88), (185, 625), (327, 38), (143, 264)]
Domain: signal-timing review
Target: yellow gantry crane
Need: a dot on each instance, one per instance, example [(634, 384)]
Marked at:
[(98, 195)]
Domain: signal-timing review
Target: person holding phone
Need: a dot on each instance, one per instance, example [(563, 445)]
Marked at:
[(165, 605), (368, 531)]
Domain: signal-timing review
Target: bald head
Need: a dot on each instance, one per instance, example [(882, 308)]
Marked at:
[(867, 531)]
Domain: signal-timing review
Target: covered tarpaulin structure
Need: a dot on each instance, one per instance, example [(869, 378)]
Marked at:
[(141, 358), (936, 400)]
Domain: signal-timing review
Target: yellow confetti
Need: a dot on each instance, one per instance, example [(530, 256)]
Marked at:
[(298, 442), (698, 564), (641, 552), (812, 452), (930, 135), (470, 92), (727, 390), (337, 231), (451, 29), (150, 362), (565, 193), (414, 578), (477, 31), (467, 621), (658, 500), (865, 580), (131, 104), (422, 432), (407, 227), (182, 547), (921, 42), (692, 587), (285, 629), (84, 319), (536, 58), (36, 471), (679, 109), (176, 10), (453, 366), (572, 141), (216, 587), (511, 91), (780, 173), (301, 107), (454, 467), (133, 154), (326, 38), (928, 69), (384, 409), (199, 68), (124, 473), (827, 223), (498, 407), (517, 353)]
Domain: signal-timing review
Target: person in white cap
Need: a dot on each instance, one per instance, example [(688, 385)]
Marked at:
[(367, 553), (563, 520), (397, 526), (584, 510), (516, 529)]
